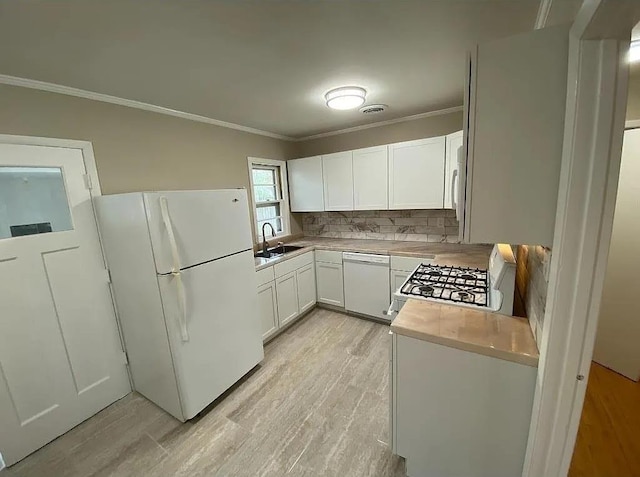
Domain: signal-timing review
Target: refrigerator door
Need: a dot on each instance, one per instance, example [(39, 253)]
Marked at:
[(205, 225), (225, 338)]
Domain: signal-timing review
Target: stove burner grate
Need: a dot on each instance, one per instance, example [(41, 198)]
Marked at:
[(455, 284)]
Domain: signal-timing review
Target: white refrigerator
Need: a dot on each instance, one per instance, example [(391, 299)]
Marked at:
[(183, 276)]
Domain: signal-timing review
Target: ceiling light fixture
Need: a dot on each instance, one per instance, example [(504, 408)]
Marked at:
[(634, 51), (346, 97)]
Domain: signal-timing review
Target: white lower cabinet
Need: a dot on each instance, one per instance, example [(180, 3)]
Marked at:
[(330, 283), (268, 306), (456, 413), (287, 294), (306, 281)]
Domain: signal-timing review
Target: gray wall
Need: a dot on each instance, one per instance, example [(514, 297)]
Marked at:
[(138, 150)]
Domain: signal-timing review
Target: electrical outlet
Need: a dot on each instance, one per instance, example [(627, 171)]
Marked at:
[(440, 221)]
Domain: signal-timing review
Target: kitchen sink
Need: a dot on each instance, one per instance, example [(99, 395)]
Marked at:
[(278, 251), (281, 249)]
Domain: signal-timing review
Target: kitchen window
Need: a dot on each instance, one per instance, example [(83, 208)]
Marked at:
[(270, 199)]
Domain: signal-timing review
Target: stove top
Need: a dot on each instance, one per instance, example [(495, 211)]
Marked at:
[(454, 284)]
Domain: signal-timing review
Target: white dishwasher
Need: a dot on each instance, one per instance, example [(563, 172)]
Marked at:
[(366, 284)]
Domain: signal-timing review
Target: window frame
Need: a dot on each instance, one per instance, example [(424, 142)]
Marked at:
[(281, 180)]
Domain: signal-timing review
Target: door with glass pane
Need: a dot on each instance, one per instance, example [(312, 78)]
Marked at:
[(61, 360)]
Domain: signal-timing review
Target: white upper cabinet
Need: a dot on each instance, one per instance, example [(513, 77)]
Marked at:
[(514, 143), (337, 174), (370, 179), (451, 173), (416, 174), (306, 192)]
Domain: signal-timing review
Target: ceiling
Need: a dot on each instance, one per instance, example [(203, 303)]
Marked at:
[(264, 65)]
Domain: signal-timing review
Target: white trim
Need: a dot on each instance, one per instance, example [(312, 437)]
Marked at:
[(428, 114), (284, 185), (130, 103), (85, 146), (632, 124), (594, 123), (543, 14)]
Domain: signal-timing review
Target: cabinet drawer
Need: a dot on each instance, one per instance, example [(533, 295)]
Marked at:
[(265, 276), (408, 264), (328, 256), (293, 264)]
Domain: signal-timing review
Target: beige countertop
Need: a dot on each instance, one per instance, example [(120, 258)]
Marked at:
[(491, 334), (475, 256)]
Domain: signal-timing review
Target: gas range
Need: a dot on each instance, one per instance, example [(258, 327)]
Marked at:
[(488, 290), (455, 284)]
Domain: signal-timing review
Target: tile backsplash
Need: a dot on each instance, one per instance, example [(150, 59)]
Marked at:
[(438, 225), (532, 281)]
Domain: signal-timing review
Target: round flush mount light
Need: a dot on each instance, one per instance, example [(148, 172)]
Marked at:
[(346, 97)]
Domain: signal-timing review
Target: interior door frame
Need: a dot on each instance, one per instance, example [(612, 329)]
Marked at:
[(594, 126), (86, 147)]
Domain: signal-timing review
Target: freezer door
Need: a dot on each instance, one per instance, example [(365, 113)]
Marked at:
[(205, 224), (223, 325)]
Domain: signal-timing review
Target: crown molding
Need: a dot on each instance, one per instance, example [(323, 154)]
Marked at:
[(105, 98), (428, 114), (543, 14)]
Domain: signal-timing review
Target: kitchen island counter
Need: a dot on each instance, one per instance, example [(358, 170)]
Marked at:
[(468, 329)]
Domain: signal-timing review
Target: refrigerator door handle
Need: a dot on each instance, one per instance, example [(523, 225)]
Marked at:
[(175, 271)]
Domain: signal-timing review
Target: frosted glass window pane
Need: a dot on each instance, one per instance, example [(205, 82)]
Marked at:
[(33, 200)]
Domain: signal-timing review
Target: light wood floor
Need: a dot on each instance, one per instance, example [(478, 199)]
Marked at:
[(317, 406), (608, 443)]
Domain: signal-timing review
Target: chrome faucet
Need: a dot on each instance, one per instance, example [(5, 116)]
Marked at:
[(265, 244)]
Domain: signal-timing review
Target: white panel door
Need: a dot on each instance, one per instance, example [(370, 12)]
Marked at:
[(416, 174), (451, 177), (337, 175), (196, 216), (329, 282), (287, 295), (370, 179), (306, 278), (61, 359), (268, 308), (306, 192)]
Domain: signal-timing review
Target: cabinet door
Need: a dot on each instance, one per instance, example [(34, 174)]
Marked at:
[(268, 308), (330, 283), (416, 174), (370, 179), (306, 277), (287, 295), (337, 175), (451, 177), (306, 192)]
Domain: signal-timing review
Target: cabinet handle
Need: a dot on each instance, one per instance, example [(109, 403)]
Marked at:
[(453, 189)]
